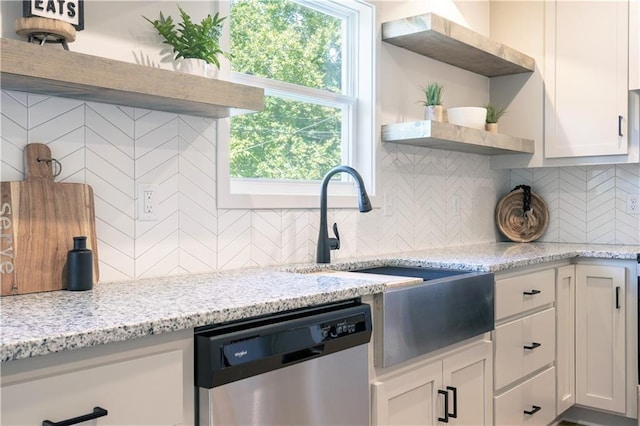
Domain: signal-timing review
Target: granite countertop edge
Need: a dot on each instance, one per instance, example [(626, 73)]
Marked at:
[(43, 323)]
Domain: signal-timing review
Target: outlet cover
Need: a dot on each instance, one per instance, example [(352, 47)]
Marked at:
[(147, 201), (633, 203)]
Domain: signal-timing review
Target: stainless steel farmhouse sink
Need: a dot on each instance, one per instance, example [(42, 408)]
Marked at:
[(449, 306)]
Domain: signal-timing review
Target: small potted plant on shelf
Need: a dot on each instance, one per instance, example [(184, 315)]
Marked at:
[(433, 102), (196, 45), (493, 115)]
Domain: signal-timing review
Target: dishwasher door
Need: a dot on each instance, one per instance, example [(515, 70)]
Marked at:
[(303, 368)]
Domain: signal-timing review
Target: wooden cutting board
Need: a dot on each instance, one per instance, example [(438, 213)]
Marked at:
[(38, 220)]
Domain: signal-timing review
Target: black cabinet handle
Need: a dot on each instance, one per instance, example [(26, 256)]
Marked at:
[(620, 126), (444, 419), (534, 409), (618, 297), (455, 401), (97, 412), (532, 346), (531, 293)]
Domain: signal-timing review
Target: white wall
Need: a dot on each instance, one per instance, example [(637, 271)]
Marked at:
[(438, 197)]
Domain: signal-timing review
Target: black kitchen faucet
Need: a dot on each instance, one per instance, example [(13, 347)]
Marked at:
[(326, 244)]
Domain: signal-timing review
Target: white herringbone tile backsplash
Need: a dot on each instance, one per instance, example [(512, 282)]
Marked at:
[(437, 198), (586, 204)]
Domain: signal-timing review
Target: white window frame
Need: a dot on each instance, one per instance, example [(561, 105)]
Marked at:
[(268, 194)]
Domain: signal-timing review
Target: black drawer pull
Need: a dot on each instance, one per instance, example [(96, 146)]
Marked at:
[(455, 401), (620, 126), (534, 409), (531, 293), (532, 346), (445, 419), (618, 297), (97, 412)]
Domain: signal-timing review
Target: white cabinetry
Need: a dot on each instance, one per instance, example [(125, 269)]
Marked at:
[(634, 45), (417, 394), (145, 381), (586, 78), (524, 346), (565, 337), (581, 91), (600, 337)]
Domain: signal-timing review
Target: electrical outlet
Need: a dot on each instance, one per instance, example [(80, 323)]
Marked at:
[(633, 204), (147, 202)]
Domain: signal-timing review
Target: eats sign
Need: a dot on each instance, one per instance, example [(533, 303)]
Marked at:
[(70, 11)]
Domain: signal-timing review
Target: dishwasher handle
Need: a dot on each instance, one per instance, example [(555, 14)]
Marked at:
[(302, 355)]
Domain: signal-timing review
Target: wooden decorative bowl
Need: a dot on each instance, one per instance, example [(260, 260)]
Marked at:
[(519, 227)]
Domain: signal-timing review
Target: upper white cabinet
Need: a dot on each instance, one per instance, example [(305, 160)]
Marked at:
[(586, 102), (634, 45), (577, 103)]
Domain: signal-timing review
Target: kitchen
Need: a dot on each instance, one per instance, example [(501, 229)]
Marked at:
[(115, 147)]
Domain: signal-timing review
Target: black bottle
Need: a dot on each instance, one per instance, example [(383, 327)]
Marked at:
[(79, 266)]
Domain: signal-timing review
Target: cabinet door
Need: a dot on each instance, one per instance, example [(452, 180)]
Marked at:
[(600, 337), (470, 374), (565, 337), (586, 78), (634, 45), (410, 398), (139, 391)]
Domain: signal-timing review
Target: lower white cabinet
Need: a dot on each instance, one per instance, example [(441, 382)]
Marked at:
[(529, 403), (565, 337), (455, 389), (600, 337), (137, 385)]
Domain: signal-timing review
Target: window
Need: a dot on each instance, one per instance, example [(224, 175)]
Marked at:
[(315, 61)]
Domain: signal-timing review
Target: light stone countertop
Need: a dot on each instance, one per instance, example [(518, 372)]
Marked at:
[(43, 323)]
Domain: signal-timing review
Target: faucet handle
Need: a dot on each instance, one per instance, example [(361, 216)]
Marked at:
[(334, 243)]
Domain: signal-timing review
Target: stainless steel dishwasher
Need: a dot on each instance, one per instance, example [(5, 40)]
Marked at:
[(305, 367)]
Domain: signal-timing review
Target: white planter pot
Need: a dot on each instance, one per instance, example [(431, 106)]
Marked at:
[(434, 113), (198, 67)]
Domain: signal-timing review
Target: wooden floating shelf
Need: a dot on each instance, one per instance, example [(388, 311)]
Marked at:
[(28, 67), (438, 38), (436, 135)]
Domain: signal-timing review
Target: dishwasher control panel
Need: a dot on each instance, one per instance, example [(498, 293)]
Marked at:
[(342, 327)]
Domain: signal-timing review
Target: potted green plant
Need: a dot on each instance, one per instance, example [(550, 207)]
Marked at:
[(493, 115), (433, 102), (190, 40)]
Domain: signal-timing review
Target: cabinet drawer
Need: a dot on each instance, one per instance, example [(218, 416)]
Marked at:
[(523, 292), (523, 346), (539, 391), (140, 391)]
